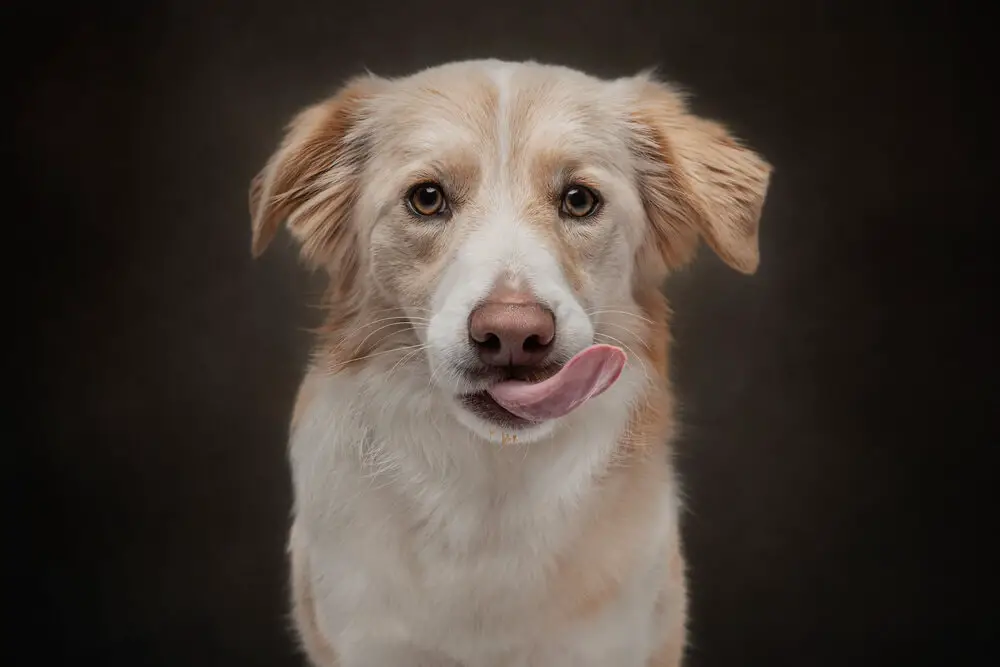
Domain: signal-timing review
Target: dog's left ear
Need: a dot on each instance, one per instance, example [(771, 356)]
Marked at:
[(696, 179)]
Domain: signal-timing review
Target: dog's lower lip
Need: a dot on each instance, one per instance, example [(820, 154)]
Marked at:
[(483, 405)]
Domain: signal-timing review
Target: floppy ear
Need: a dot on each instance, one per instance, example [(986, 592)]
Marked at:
[(696, 179), (312, 181)]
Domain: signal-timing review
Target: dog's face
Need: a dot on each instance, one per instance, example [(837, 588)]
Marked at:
[(513, 213)]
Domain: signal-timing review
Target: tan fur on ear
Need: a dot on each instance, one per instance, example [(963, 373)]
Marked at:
[(697, 179), (312, 180)]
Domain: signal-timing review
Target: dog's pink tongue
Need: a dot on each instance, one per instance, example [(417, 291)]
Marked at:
[(586, 375)]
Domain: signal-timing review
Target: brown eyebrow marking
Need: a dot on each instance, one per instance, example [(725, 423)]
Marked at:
[(458, 173)]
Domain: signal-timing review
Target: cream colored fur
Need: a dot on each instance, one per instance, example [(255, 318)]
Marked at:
[(424, 536)]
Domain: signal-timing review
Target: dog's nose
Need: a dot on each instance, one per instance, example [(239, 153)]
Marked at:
[(512, 330)]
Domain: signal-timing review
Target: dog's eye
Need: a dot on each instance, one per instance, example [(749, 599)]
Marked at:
[(427, 199), (579, 202)]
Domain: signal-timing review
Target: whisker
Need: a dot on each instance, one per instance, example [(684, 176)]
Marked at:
[(619, 312), (396, 318), (387, 336), (384, 326), (626, 329), (386, 310), (400, 320), (374, 354), (438, 366), (632, 354), (410, 355)]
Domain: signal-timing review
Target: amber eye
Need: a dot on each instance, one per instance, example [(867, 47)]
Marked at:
[(579, 202), (427, 199)]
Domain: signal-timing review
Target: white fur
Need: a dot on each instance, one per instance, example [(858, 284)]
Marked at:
[(428, 532), (395, 502), (504, 250)]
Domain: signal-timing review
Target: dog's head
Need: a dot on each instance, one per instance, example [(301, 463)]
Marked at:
[(500, 219)]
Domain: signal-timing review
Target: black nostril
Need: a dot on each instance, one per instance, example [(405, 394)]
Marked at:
[(492, 342), (533, 344)]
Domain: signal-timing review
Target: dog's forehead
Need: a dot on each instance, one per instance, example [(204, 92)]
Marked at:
[(502, 110)]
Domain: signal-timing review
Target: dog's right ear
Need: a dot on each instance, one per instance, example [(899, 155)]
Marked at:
[(312, 180)]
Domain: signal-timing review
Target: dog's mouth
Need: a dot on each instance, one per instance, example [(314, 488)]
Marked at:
[(484, 406), (519, 399)]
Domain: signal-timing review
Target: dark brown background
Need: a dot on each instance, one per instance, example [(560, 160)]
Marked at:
[(836, 404)]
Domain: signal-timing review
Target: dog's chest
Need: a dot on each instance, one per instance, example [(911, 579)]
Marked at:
[(470, 580), (460, 552)]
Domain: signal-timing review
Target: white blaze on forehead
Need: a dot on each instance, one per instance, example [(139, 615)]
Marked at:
[(501, 75), (501, 246)]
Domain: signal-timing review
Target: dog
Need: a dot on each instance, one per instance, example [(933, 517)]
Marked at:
[(481, 446)]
